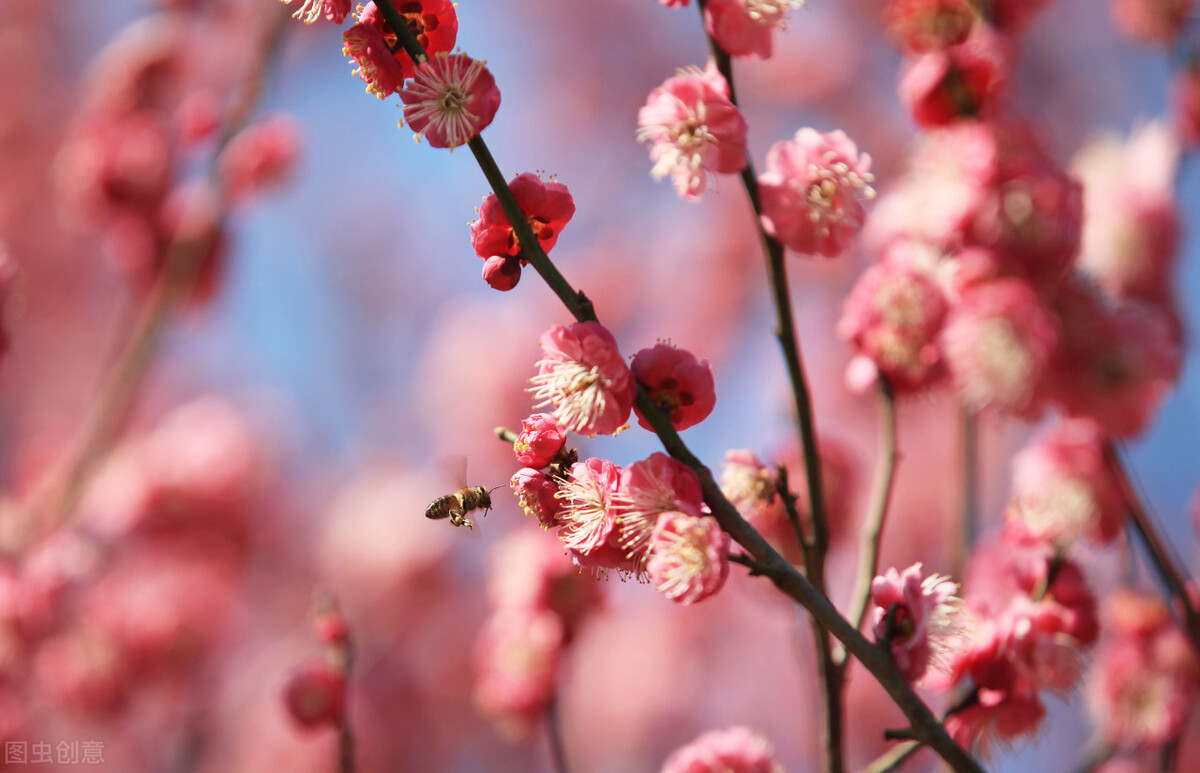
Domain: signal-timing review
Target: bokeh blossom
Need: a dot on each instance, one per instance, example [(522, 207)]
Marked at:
[(746, 27), (451, 99), (733, 750), (813, 191), (694, 130)]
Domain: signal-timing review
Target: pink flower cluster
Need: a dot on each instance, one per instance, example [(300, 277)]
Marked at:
[(983, 275), (548, 208), (1145, 676), (648, 519), (448, 98), (694, 130), (1027, 617)]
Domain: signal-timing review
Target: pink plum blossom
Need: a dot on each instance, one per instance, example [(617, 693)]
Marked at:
[(589, 505), (539, 441), (583, 376), (649, 488), (537, 494), (745, 27), (548, 207), (1063, 488), (434, 23), (812, 191), (893, 318), (365, 44), (694, 130), (679, 385), (733, 750), (688, 557), (315, 695), (1145, 676), (1151, 21), (516, 666), (914, 615), (502, 272), (961, 82), (451, 99), (310, 10), (998, 343), (921, 26)]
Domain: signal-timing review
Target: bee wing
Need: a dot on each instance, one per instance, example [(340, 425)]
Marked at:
[(454, 470)]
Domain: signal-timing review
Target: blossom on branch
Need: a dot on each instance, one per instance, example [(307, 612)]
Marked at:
[(694, 130), (813, 190), (679, 385), (744, 27), (689, 557), (547, 205), (914, 616), (451, 99), (583, 375)]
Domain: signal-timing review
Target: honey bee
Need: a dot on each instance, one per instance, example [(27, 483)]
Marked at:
[(456, 506)]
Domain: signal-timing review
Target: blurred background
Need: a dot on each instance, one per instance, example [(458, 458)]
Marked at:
[(350, 349)]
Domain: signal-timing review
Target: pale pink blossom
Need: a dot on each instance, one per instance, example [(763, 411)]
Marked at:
[(694, 130), (526, 570), (516, 666), (1063, 488), (1145, 676), (915, 616), (893, 317), (261, 157), (688, 557), (589, 506), (539, 441), (733, 750), (921, 26), (998, 342), (451, 99), (746, 482), (813, 190), (537, 494), (310, 10), (649, 488), (677, 383), (745, 27), (583, 375), (1131, 227)]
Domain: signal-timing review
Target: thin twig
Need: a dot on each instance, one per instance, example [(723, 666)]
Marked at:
[(554, 737), (893, 758), (926, 726), (1175, 579), (881, 492), (969, 493)]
